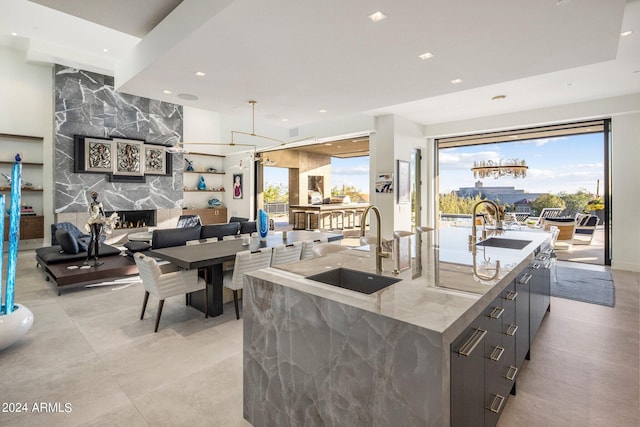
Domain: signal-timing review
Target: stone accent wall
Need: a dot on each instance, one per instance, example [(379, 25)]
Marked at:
[(87, 104)]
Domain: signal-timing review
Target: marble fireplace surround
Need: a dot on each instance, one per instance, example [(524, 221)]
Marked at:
[(87, 104)]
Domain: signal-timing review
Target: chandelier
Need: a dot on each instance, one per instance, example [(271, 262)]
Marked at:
[(510, 167)]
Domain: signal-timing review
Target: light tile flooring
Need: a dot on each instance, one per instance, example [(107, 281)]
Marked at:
[(89, 349)]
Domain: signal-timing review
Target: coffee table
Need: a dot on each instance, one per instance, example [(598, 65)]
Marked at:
[(73, 273)]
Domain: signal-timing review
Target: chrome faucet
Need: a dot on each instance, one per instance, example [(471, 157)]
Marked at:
[(379, 253), (474, 230)]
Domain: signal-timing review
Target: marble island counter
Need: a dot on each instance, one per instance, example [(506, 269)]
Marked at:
[(317, 354)]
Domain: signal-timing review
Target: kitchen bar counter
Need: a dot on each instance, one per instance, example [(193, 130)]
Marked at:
[(309, 216), (358, 359)]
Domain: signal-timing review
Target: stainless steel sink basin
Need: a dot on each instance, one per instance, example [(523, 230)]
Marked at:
[(497, 242), (354, 280)]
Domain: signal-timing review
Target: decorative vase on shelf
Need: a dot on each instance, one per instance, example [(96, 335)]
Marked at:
[(201, 183), (262, 223)]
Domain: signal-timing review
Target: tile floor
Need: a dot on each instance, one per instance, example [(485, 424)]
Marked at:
[(88, 348)]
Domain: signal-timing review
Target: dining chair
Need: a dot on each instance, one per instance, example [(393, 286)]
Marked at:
[(322, 249), (423, 228), (402, 233), (164, 281), (245, 262), (283, 254), (307, 248), (201, 241)]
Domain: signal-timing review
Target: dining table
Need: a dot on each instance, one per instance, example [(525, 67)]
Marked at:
[(211, 256)]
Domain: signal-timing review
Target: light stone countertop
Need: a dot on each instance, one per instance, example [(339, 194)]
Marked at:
[(439, 292)]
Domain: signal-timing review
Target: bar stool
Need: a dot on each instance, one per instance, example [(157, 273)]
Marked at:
[(349, 218), (299, 219), (313, 220), (338, 215), (322, 216), (358, 217)]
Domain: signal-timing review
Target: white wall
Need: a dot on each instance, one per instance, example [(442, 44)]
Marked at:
[(27, 109), (625, 150)]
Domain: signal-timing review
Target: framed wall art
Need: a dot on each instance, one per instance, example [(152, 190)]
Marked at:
[(155, 160), (404, 182), (98, 155), (384, 182), (237, 186), (128, 156)]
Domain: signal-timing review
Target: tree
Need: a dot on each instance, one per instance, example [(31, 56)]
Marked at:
[(577, 202), (547, 201), (275, 194), (347, 190)]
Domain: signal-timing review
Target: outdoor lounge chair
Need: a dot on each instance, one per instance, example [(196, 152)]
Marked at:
[(548, 213), (585, 229)]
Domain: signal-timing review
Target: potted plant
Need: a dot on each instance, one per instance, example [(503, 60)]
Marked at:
[(596, 204)]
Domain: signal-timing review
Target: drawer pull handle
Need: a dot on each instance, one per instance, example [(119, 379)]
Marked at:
[(511, 296), (511, 330), (542, 258), (497, 403), (511, 374), (535, 266), (475, 338), (496, 312), (496, 354), (524, 280)]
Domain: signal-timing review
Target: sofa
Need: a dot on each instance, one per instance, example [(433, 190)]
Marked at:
[(69, 243)]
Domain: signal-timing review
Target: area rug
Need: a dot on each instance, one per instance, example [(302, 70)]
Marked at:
[(595, 287)]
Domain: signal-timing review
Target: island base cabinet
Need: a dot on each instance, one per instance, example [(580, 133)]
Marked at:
[(467, 376)]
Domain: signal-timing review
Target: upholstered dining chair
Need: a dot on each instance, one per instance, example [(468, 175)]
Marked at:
[(164, 281), (323, 249), (283, 254), (201, 241), (245, 262), (307, 248)]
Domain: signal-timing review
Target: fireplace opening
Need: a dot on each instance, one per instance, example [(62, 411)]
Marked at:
[(135, 219)]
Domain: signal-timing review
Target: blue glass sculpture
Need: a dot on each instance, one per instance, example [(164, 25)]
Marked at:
[(201, 183), (263, 223)]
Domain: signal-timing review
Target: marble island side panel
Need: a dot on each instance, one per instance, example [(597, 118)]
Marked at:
[(313, 361)]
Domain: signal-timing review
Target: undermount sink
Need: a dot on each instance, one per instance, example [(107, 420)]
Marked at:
[(497, 242), (354, 280)]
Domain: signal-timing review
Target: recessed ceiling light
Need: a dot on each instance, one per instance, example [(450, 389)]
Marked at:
[(187, 97), (285, 120), (328, 144), (626, 33), (200, 74), (167, 91), (499, 98), (456, 81), (14, 34), (105, 50), (426, 55), (322, 111), (377, 16)]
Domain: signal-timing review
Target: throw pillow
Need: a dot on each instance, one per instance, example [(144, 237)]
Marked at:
[(137, 246), (67, 242), (83, 243)]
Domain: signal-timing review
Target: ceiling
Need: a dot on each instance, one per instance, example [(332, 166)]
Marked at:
[(309, 62)]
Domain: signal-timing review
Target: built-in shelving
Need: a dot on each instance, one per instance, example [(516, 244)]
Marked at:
[(214, 181), (30, 149)]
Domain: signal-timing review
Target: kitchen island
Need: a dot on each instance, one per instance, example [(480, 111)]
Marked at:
[(423, 351)]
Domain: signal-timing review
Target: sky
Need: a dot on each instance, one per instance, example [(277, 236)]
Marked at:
[(559, 164), (555, 164)]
